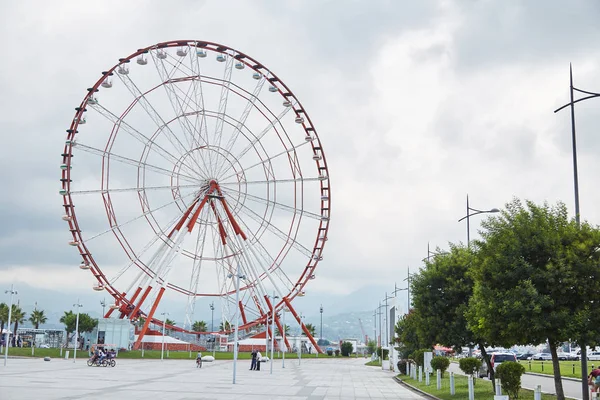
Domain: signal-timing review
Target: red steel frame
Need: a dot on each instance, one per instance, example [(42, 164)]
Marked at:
[(70, 216)]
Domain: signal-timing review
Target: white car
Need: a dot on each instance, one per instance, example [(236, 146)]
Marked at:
[(43, 346), (594, 356), (542, 356)]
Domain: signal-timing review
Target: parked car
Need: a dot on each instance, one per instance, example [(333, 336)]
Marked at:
[(524, 356), (594, 356), (567, 356), (496, 359), (542, 356), (44, 346)]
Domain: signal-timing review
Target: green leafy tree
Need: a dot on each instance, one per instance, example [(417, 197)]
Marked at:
[(371, 346), (407, 334), (199, 326), (169, 322), (346, 349), (37, 318), (86, 323), (68, 320), (536, 269), (18, 317), (441, 293)]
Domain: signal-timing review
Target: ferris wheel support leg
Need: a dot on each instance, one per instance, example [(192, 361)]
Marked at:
[(123, 308), (148, 319), (277, 321), (306, 331), (137, 308), (242, 313)]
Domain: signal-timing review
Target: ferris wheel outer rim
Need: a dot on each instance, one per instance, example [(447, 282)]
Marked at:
[(325, 185)]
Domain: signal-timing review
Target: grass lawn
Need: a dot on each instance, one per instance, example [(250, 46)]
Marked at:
[(154, 354), (567, 368), (483, 389)]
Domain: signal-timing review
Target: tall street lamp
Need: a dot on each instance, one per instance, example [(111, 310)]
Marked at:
[(212, 325), (273, 298), (380, 333), (238, 276), (387, 328), (162, 347), (471, 212), (103, 304), (590, 95), (320, 334), (285, 349), (76, 330), (12, 292), (300, 316)]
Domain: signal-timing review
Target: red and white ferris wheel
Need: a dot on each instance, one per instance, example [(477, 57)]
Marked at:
[(184, 162)]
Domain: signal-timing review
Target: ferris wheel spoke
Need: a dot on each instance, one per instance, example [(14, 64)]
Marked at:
[(119, 226), (266, 130), (156, 118), (174, 93), (284, 207), (223, 102), (143, 139), (267, 160), (275, 230), (242, 120), (196, 269), (130, 161), (131, 189), (273, 181)]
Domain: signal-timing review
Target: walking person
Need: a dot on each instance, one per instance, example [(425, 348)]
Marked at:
[(253, 363), (258, 357)]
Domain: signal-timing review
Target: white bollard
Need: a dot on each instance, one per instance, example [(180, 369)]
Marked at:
[(537, 393), (439, 379), (420, 373), (452, 390), (414, 371), (427, 377), (67, 355), (498, 387), (471, 389)]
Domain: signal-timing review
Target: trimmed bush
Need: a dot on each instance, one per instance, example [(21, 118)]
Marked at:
[(509, 373), (346, 349), (337, 353), (419, 356), (441, 363), (329, 352), (402, 366), (469, 365)]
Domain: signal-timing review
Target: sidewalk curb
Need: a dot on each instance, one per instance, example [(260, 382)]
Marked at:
[(414, 389)]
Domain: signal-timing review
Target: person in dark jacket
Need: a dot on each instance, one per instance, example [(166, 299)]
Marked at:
[(253, 363)]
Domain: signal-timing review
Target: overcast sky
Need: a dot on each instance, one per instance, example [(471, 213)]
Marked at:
[(417, 103)]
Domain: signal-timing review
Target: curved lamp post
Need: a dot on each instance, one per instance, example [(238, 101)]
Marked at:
[(590, 95), (471, 212)]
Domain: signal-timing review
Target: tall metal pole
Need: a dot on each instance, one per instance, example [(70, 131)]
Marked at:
[(76, 330), (12, 292), (272, 328), (103, 304), (375, 328), (320, 334), (468, 225), (284, 345), (584, 385), (237, 320), (162, 349), (380, 333), (212, 325), (575, 174)]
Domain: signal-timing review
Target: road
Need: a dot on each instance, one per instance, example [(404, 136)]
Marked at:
[(571, 388)]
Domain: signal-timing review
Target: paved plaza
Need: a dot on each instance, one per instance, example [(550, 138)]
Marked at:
[(179, 379)]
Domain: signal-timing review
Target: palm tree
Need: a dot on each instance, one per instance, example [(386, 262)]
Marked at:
[(65, 320), (225, 327), (18, 317), (199, 326), (3, 316), (286, 329), (169, 322), (311, 328), (37, 317)]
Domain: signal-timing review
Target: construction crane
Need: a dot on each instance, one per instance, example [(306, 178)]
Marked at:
[(363, 332)]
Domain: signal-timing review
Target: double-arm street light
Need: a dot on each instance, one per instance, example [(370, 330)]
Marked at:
[(589, 95), (162, 348), (238, 276), (12, 292), (76, 330), (471, 212)]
